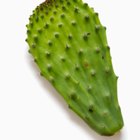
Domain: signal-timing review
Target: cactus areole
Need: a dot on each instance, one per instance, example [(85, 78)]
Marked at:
[(69, 45)]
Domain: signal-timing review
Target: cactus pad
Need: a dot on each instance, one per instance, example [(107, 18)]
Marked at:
[(69, 45)]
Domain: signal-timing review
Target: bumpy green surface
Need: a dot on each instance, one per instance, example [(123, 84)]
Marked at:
[(69, 45)]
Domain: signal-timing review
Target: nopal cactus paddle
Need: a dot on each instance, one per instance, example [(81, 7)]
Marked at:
[(69, 45)]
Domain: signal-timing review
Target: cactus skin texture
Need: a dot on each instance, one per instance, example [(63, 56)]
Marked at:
[(69, 45)]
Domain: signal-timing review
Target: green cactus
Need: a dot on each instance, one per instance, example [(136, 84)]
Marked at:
[(69, 45)]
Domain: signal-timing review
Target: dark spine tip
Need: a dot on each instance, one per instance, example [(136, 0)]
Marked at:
[(103, 57), (67, 47), (89, 88), (108, 47), (48, 54), (85, 5), (97, 50), (51, 79), (67, 76), (85, 36), (91, 108), (62, 15), (39, 31), (117, 77), (49, 67), (51, 19), (93, 73), (35, 38), (56, 6), (73, 23), (74, 0), (49, 43), (76, 10), (104, 28), (61, 1), (54, 12), (41, 74), (87, 18), (68, 3), (96, 14), (69, 106), (46, 25), (37, 19), (80, 52), (46, 12), (29, 51), (31, 24), (28, 31), (35, 60), (63, 8), (70, 37), (41, 8), (56, 35), (42, 16), (77, 67), (60, 25), (97, 28), (27, 25), (26, 40), (33, 46), (107, 69), (62, 59), (73, 96)]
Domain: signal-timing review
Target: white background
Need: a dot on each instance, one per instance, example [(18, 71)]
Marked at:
[(30, 109)]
